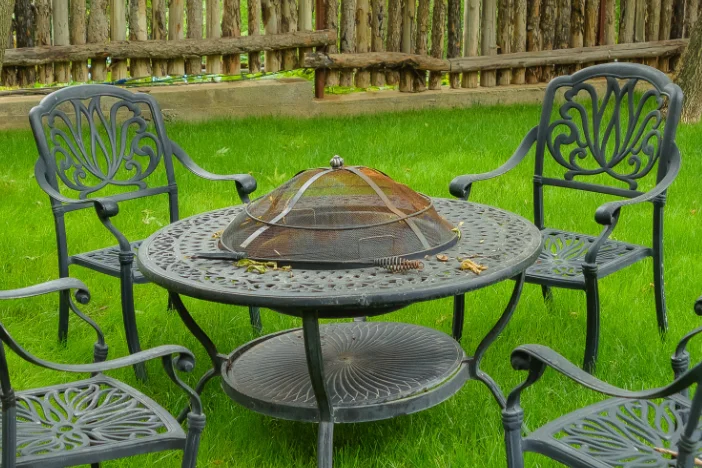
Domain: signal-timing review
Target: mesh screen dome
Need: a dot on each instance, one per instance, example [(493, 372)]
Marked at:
[(339, 216)]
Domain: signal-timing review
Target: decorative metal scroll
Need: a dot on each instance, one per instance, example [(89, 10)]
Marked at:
[(93, 150), (619, 135)]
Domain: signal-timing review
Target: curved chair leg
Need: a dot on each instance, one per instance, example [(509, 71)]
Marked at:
[(659, 287), (592, 338), (547, 293), (128, 313), (196, 423)]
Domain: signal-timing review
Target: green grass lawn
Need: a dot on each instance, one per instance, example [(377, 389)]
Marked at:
[(424, 150)]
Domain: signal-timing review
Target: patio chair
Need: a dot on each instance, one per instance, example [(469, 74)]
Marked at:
[(652, 428), (608, 133), (95, 153), (95, 419)]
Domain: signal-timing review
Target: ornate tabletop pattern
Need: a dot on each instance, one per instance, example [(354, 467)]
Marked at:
[(505, 243)]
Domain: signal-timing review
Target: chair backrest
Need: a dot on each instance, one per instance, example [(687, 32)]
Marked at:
[(607, 128), (93, 139)]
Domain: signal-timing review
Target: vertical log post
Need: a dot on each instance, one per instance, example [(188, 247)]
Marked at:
[(533, 74), (254, 26), (691, 12), (43, 22), (348, 37), (377, 37), (98, 32), (193, 18), (9, 74), (454, 38), (304, 22), (158, 32), (62, 73), (332, 22), (394, 38), (548, 34), (666, 20), (118, 32), (677, 29), (409, 11), (577, 25), (519, 28), (270, 25), (653, 27), (610, 22), (231, 27), (138, 68), (363, 39), (288, 23), (437, 40), (422, 44), (562, 39), (78, 37), (176, 67), (320, 74), (489, 40), (640, 21), (213, 30), (504, 38), (627, 20), (24, 24), (471, 38)]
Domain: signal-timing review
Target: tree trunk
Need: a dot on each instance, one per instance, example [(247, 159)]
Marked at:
[(270, 24), (175, 33), (653, 26), (62, 73), (677, 29), (158, 32), (454, 38), (254, 29), (43, 16), (666, 19), (519, 27), (24, 24), (504, 38), (690, 77), (288, 23), (363, 39), (138, 68), (409, 12), (627, 19), (394, 35), (562, 38), (577, 25), (533, 74), (437, 40), (193, 18), (231, 27), (332, 12), (691, 12), (6, 8), (118, 32), (489, 40), (348, 37), (378, 37), (548, 31), (422, 45)]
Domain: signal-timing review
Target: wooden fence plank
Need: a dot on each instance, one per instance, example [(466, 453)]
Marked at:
[(138, 68), (653, 22), (577, 24), (62, 72), (158, 32), (504, 38), (394, 37), (176, 66), (254, 29), (288, 23), (377, 37), (640, 21), (609, 23), (677, 28), (118, 32), (24, 24), (627, 18), (533, 74), (562, 38), (519, 28), (304, 20), (332, 22), (548, 34), (691, 12), (193, 18), (363, 39), (422, 43), (270, 25), (213, 30), (45, 73), (666, 19), (437, 40), (348, 37), (409, 11), (231, 27), (78, 37), (454, 33), (489, 40)]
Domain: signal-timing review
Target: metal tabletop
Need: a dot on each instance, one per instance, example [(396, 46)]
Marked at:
[(502, 241)]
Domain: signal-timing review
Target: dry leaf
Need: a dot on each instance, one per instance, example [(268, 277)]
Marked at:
[(472, 266), (217, 234), (442, 258)]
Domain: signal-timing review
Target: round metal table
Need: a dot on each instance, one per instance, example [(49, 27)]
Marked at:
[(345, 372)]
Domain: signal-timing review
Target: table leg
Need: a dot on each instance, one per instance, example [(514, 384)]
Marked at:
[(459, 307), (474, 361), (206, 342), (315, 366)]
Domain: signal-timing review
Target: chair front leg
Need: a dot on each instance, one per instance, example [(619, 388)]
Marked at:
[(592, 337), (658, 280), (64, 296), (512, 418), (196, 423), (128, 313)]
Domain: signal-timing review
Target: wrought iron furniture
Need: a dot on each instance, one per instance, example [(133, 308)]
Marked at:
[(618, 135), (95, 419), (653, 428), (97, 148), (293, 374)]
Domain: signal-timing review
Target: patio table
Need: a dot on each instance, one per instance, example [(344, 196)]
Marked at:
[(350, 371)]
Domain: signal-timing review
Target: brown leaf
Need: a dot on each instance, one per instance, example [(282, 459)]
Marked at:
[(442, 258)]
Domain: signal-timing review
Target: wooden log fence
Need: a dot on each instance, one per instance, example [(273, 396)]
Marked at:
[(413, 44)]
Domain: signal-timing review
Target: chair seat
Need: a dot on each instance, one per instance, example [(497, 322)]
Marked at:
[(107, 261), (616, 432), (561, 260), (90, 421)]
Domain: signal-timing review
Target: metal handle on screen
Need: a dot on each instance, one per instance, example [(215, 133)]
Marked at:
[(220, 255)]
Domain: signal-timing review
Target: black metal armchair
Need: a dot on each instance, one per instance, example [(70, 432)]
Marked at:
[(653, 428), (95, 419), (104, 153), (620, 136)]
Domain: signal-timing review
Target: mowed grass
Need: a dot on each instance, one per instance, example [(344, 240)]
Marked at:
[(424, 150)]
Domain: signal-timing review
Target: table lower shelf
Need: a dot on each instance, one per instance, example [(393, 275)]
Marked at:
[(373, 371)]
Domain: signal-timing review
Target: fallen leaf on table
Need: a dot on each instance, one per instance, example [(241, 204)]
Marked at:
[(442, 258), (472, 266)]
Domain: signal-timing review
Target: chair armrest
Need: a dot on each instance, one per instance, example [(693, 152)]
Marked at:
[(681, 358), (82, 294), (606, 213), (461, 185), (535, 358), (245, 183)]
